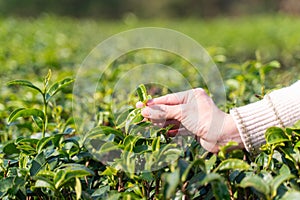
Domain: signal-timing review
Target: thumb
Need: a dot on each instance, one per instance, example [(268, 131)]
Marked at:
[(158, 112)]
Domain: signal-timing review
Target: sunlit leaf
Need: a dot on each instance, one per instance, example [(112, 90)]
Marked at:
[(133, 117), (78, 188), (224, 149), (291, 195), (110, 171), (210, 178), (209, 163), (47, 78), (257, 183), (26, 84), (42, 143), (142, 93), (275, 135), (56, 87), (170, 183), (232, 163), (43, 184), (25, 112), (156, 144), (69, 172), (279, 179)]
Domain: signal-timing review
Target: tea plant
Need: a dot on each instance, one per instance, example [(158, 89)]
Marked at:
[(133, 159), (47, 92)]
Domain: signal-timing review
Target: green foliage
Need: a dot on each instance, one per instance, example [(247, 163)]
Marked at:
[(133, 159), (47, 93)]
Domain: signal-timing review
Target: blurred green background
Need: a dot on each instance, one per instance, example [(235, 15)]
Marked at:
[(116, 9), (36, 35)]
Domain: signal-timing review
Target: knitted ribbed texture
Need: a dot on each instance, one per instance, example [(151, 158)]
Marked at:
[(279, 108)]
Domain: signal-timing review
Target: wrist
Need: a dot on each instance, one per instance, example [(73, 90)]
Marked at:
[(230, 132)]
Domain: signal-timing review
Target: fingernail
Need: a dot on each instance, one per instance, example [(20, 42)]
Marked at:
[(150, 101)]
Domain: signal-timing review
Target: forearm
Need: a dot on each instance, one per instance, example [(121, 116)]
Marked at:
[(279, 108)]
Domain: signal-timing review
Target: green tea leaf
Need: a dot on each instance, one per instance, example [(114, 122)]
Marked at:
[(147, 176), (113, 195), (109, 171), (210, 163), (142, 93), (38, 121), (224, 149), (99, 131), (291, 195), (10, 148), (47, 78), (26, 84), (40, 183), (42, 143), (232, 163), (56, 87), (257, 183), (37, 164), (156, 144), (220, 190), (134, 117), (262, 160), (108, 146), (59, 178), (168, 153), (101, 192), (278, 180), (6, 184), (275, 135), (70, 171), (78, 188), (199, 162), (25, 112), (31, 141), (44, 180), (121, 118), (46, 174), (170, 183), (272, 64), (129, 142)]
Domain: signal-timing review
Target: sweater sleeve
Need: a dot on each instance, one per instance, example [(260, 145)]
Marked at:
[(279, 108)]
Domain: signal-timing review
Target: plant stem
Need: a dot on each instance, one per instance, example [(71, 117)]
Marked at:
[(270, 158), (157, 183), (45, 109), (120, 186)]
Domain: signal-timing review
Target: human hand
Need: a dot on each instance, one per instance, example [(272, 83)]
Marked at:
[(193, 111)]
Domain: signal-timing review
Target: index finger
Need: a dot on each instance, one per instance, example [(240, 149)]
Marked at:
[(171, 99)]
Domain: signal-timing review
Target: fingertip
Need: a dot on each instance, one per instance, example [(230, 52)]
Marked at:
[(150, 102), (145, 119), (145, 112), (139, 104)]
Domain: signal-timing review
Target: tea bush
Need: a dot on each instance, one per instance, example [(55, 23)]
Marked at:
[(59, 164)]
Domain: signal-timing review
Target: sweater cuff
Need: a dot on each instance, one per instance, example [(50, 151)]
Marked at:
[(279, 108)]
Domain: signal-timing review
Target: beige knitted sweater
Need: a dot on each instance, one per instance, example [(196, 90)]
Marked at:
[(279, 108)]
